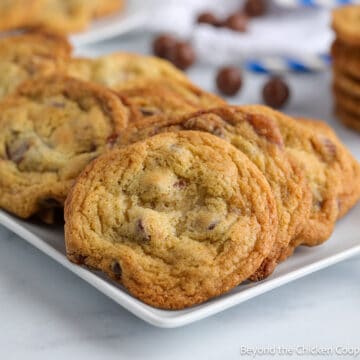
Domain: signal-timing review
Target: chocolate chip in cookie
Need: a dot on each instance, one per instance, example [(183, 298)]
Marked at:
[(116, 268)]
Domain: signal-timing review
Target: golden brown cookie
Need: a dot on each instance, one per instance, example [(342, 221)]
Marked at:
[(166, 98), (64, 16), (350, 120), (118, 68), (15, 14), (187, 93), (108, 7), (177, 219), (349, 167), (346, 102), (346, 23), (259, 138), (124, 72), (316, 154), (49, 131), (345, 83), (156, 100), (31, 54), (346, 58)]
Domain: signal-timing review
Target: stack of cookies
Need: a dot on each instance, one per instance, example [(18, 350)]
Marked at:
[(59, 16), (166, 188), (346, 65)]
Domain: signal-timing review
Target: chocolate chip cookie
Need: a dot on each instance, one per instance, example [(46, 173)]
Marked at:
[(349, 119), (346, 83), (349, 167), (346, 23), (258, 137), (155, 100), (346, 58), (123, 72), (177, 219), (316, 153), (347, 102), (31, 54), (187, 93), (49, 130)]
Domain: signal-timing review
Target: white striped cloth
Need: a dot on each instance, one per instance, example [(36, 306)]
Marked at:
[(295, 35), (282, 64)]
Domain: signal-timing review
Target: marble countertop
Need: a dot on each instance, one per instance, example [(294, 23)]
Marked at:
[(49, 313)]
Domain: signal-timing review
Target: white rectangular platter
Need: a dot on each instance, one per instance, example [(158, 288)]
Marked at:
[(344, 243)]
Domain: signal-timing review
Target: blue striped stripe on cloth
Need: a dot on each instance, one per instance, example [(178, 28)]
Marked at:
[(283, 64), (315, 3)]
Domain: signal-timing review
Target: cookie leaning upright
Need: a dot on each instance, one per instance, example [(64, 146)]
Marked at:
[(346, 63), (316, 153), (349, 168), (177, 218), (154, 99), (258, 137), (30, 54), (125, 71), (49, 130)]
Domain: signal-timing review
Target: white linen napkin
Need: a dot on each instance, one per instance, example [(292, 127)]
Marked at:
[(299, 32)]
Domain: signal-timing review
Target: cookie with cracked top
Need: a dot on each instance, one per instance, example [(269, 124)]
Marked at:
[(316, 153), (178, 218), (258, 137), (166, 98), (125, 71), (155, 101), (30, 54), (349, 167), (49, 130)]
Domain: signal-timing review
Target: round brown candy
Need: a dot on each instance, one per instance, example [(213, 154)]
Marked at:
[(164, 45), (255, 8), (237, 22), (183, 55), (275, 92), (208, 17), (229, 80)]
